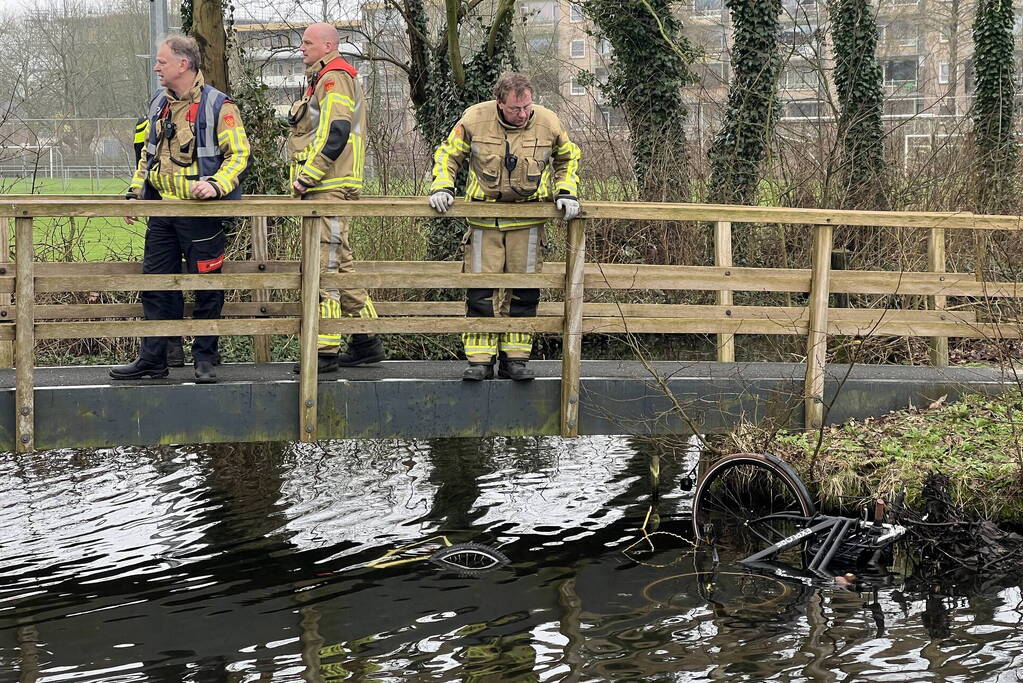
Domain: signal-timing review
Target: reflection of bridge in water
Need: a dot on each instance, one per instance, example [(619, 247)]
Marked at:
[(44, 408)]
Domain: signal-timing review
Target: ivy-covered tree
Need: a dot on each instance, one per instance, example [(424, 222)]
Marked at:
[(858, 79), (444, 80), (993, 112), (652, 63), (740, 146)]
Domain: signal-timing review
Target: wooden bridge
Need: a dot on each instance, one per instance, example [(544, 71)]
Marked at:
[(53, 407)]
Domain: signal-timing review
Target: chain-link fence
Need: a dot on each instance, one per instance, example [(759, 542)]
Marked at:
[(67, 148)]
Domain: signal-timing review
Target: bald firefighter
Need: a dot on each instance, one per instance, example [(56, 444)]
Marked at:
[(326, 147), (195, 148), (517, 152)]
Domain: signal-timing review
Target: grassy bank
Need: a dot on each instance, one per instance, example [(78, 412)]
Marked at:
[(976, 442)]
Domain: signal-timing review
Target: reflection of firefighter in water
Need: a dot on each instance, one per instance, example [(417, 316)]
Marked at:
[(509, 657)]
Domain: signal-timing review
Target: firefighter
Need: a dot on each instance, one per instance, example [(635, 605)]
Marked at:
[(175, 345), (326, 149), (517, 152), (196, 148)]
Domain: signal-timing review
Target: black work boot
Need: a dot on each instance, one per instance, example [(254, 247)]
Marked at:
[(477, 372), (515, 369), (175, 353), (204, 372), (362, 350), (139, 369), (325, 362)]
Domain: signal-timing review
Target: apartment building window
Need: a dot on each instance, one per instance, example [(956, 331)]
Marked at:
[(803, 109), (540, 11), (577, 88), (577, 49), (604, 47), (901, 72), (711, 74), (943, 72), (800, 38), (541, 44), (575, 14), (799, 76), (708, 7), (903, 35)]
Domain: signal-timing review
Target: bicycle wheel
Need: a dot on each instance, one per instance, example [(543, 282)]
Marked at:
[(735, 495)]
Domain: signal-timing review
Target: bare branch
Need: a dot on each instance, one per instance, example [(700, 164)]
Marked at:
[(503, 10), (454, 49)]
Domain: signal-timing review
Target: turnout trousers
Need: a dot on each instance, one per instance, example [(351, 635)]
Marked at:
[(200, 242), (491, 250), (336, 257)]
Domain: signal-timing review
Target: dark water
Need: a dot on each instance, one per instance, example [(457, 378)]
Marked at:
[(252, 564)]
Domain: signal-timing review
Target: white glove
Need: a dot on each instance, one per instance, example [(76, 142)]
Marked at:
[(570, 205), (441, 201)]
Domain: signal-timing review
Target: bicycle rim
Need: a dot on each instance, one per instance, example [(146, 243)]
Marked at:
[(735, 496)]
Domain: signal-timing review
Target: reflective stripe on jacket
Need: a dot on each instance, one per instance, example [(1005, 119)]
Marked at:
[(209, 143), (546, 161), (326, 144)]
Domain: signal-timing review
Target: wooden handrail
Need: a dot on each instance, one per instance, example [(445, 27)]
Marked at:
[(417, 207)]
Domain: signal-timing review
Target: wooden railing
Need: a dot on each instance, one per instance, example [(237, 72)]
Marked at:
[(572, 318)]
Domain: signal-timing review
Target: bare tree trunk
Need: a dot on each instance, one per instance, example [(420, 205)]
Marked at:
[(208, 30)]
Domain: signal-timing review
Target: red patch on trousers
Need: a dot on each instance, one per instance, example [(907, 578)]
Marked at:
[(210, 265)]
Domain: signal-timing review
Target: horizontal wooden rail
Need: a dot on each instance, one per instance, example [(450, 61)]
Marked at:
[(417, 207), (100, 277)]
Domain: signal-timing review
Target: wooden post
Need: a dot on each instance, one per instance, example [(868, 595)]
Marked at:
[(24, 340), (936, 264), (6, 347), (817, 338), (723, 258), (309, 330), (572, 340), (260, 254), (982, 247)]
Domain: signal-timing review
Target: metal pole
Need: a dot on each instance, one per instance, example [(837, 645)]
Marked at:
[(157, 29)]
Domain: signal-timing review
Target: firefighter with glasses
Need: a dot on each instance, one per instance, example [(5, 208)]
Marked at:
[(516, 152), (327, 147), (195, 148)]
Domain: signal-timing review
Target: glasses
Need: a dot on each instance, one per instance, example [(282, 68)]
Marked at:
[(517, 110)]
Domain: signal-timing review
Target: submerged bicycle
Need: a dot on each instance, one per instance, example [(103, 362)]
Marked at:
[(755, 500)]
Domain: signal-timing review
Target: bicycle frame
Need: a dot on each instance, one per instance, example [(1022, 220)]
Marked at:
[(880, 536)]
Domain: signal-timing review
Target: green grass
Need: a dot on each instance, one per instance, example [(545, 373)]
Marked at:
[(115, 186), (81, 239), (977, 441)]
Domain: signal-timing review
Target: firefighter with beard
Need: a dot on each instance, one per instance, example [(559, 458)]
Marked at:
[(517, 152)]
